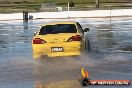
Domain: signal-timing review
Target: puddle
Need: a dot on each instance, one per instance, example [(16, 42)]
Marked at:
[(109, 57)]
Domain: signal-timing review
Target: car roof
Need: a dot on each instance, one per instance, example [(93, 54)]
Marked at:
[(60, 22)]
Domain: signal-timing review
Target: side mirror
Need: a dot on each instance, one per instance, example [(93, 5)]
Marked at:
[(86, 29), (35, 33)]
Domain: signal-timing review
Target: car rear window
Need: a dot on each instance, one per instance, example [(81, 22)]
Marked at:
[(58, 28)]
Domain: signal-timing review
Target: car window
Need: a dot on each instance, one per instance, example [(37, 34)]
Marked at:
[(79, 27), (58, 28)]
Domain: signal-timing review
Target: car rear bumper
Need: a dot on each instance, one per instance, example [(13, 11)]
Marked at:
[(70, 49)]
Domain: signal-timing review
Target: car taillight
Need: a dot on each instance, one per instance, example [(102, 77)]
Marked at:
[(38, 41), (75, 38)]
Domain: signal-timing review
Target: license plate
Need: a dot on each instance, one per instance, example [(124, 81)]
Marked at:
[(57, 49)]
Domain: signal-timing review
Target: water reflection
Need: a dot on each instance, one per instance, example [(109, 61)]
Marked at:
[(106, 39), (15, 38), (113, 39), (25, 25), (3, 39)]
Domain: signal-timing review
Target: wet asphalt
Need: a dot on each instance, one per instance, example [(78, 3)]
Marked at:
[(109, 57)]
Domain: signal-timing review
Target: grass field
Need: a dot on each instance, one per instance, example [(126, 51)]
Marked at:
[(11, 6)]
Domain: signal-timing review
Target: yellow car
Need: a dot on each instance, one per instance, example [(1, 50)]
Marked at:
[(59, 39)]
